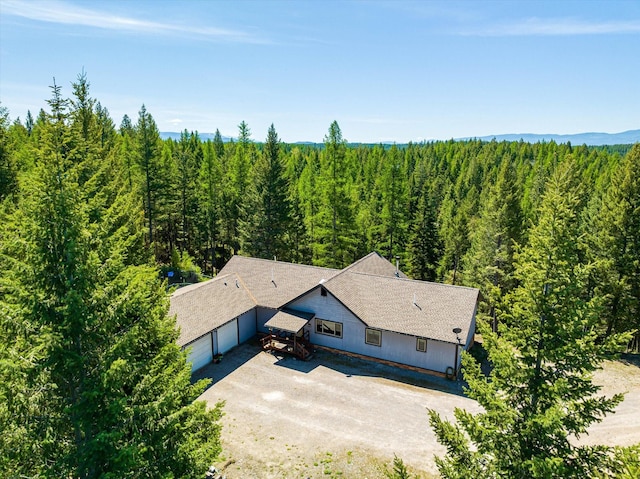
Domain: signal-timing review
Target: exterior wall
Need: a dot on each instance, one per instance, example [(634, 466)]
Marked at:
[(227, 336), (262, 316), (400, 348), (247, 326), (200, 352)]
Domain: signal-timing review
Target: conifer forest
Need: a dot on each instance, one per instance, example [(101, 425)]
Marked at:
[(95, 210)]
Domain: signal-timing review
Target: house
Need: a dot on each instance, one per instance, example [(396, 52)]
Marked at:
[(369, 308)]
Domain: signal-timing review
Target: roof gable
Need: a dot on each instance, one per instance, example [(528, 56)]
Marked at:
[(417, 308), (375, 264), (275, 283), (202, 307)]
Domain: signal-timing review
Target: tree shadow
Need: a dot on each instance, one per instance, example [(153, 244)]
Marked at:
[(630, 359)]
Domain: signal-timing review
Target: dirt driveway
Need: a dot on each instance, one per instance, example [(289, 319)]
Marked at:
[(335, 416)]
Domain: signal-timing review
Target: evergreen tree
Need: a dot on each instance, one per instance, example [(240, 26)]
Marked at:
[(614, 240), (209, 195), (308, 192), (8, 169), (394, 202), (92, 382), (267, 214), (148, 140), (425, 246), (237, 174), (540, 393), (186, 156), (336, 216), (488, 263), (28, 122), (218, 145), (453, 221)]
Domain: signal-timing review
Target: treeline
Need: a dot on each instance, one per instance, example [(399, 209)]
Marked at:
[(456, 212)]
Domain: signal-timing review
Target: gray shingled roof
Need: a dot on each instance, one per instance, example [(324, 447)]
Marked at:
[(368, 287), (288, 322), (275, 283), (202, 307), (374, 263), (387, 303)]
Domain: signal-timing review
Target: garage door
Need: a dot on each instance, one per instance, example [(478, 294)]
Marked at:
[(227, 336), (201, 352)]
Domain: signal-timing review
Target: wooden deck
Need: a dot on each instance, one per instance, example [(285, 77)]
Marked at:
[(296, 347)]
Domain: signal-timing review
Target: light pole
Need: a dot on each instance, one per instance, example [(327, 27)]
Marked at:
[(457, 331)]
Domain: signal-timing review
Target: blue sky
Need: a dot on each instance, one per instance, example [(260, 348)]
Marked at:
[(385, 70)]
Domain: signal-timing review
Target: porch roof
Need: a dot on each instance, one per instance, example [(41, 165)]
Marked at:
[(289, 321)]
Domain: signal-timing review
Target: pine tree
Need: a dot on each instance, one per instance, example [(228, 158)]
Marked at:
[(614, 240), (92, 383), (488, 262), (267, 212), (28, 122), (8, 169), (237, 178), (394, 201), (187, 165), (425, 246), (540, 393), (148, 139), (208, 194), (336, 216)]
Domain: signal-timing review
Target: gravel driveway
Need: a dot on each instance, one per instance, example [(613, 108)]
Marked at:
[(334, 416)]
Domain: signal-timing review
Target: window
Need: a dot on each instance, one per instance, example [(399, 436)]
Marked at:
[(421, 345), (329, 328), (373, 336)]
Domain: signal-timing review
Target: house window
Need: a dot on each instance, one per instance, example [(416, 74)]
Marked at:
[(329, 328), (373, 336), (421, 345)]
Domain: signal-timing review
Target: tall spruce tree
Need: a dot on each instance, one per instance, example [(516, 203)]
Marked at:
[(488, 263), (336, 215), (148, 156), (394, 202), (92, 382), (208, 194), (540, 394), (8, 169), (267, 212), (425, 246), (614, 240)]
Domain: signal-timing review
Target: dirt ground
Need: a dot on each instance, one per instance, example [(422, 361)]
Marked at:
[(339, 417)]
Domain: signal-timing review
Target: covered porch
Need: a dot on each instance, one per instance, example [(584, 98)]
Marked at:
[(287, 334)]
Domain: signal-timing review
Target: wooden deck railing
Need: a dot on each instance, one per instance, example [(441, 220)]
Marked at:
[(298, 348)]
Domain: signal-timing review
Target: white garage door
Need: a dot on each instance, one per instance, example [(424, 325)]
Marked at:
[(227, 336), (201, 352)]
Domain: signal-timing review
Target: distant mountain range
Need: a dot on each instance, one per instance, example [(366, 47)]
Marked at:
[(589, 139)]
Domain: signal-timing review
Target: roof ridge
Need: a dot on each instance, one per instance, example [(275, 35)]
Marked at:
[(265, 260), (410, 280), (362, 259), (246, 288)]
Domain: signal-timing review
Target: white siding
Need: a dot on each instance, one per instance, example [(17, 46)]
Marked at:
[(247, 326), (395, 347), (227, 336), (262, 316), (201, 352)]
